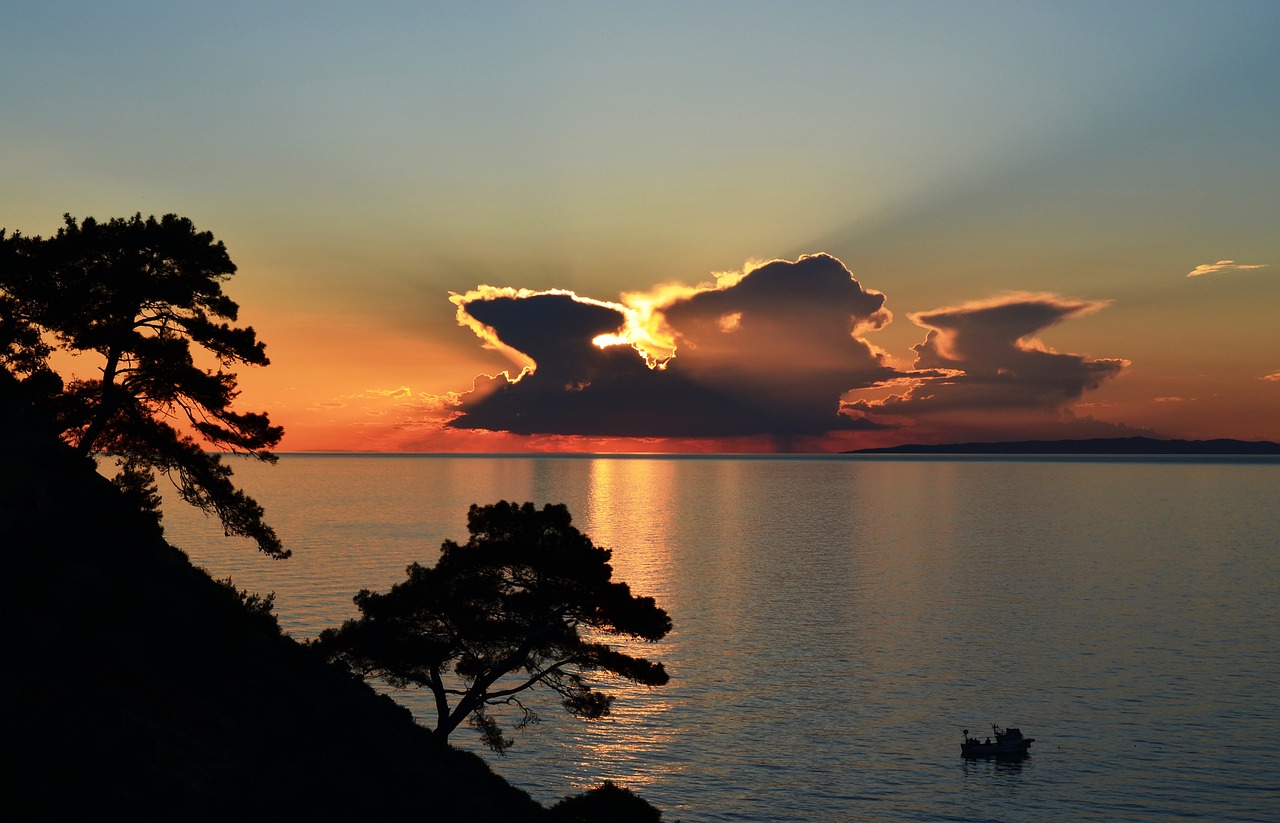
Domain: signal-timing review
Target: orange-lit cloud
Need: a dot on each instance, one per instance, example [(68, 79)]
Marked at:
[(1223, 265), (1273, 377), (399, 393)]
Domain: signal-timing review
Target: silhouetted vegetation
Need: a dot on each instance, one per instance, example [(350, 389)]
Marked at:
[(140, 689), (502, 614), (256, 608), (139, 294), (147, 689), (606, 803)]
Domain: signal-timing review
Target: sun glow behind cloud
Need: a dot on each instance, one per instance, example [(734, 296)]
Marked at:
[(646, 328)]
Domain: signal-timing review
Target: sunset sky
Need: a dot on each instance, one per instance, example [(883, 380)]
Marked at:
[(713, 226)]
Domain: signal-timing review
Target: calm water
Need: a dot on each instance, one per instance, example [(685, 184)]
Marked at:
[(839, 621)]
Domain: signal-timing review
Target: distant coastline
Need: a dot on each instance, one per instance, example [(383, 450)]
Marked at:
[(1095, 446)]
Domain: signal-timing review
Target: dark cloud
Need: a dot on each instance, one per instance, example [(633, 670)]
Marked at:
[(577, 387), (769, 353), (984, 356), (553, 330)]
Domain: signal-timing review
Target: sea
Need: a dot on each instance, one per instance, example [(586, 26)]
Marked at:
[(839, 621)]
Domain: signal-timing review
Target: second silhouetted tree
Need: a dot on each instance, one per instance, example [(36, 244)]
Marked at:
[(524, 604)]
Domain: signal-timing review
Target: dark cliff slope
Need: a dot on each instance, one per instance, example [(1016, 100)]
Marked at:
[(135, 686)]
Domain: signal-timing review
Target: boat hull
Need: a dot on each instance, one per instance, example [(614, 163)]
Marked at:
[(1012, 748)]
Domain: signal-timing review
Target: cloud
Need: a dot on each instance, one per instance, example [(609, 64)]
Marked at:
[(779, 349), (1273, 377), (1223, 265), (410, 407), (985, 356), (382, 394), (767, 351)]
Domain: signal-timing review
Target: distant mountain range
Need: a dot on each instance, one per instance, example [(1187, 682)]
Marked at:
[(1109, 445)]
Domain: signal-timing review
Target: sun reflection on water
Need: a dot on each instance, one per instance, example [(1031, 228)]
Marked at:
[(628, 510)]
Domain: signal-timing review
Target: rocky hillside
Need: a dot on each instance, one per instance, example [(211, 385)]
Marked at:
[(135, 686)]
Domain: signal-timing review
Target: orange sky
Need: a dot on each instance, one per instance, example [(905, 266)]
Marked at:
[(1020, 375)]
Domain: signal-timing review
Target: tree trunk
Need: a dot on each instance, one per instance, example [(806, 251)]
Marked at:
[(442, 706), (107, 405)]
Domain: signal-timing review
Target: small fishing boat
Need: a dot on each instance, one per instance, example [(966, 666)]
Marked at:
[(1006, 743)]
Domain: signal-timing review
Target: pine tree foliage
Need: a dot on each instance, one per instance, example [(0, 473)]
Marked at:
[(522, 605), (143, 300)]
